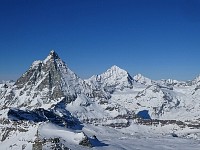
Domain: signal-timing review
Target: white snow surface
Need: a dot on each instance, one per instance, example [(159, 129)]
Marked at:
[(113, 78), (134, 137), (51, 131), (139, 78), (100, 100)]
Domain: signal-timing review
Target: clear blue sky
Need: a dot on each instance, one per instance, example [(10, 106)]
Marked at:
[(157, 38)]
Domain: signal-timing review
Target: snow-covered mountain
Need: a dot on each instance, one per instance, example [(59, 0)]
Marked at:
[(51, 97), (45, 83), (143, 80), (113, 79)]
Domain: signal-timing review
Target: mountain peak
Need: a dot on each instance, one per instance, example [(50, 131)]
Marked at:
[(52, 56), (142, 79), (139, 76), (115, 67), (115, 78), (50, 80), (117, 70), (52, 51), (196, 80)]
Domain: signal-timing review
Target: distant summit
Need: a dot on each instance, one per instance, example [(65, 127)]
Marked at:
[(139, 78), (113, 79)]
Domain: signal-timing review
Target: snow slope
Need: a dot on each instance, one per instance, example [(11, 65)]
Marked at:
[(49, 98), (114, 78), (106, 138)]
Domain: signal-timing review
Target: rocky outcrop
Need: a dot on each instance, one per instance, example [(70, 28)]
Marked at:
[(41, 115), (85, 141)]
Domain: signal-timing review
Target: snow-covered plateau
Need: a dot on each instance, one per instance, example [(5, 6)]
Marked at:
[(50, 107)]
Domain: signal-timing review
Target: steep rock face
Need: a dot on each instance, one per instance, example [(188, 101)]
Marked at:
[(51, 74), (48, 82), (4, 87), (42, 115), (114, 78)]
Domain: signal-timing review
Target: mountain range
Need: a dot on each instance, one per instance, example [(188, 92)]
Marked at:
[(50, 97)]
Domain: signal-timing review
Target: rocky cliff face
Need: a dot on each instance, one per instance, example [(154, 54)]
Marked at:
[(46, 83)]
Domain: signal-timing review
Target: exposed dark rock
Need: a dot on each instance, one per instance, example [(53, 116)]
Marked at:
[(6, 134), (118, 125), (5, 86), (174, 135), (103, 102), (110, 108), (50, 80), (85, 142), (41, 115), (37, 145)]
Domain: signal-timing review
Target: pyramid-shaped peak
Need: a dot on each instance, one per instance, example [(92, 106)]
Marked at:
[(114, 78), (117, 69), (53, 54)]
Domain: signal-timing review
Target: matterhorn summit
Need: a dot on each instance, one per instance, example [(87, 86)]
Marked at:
[(47, 82)]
